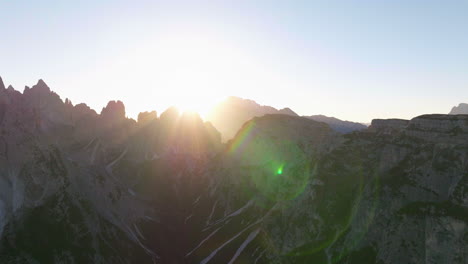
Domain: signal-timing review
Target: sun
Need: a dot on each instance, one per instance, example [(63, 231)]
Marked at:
[(192, 70), (189, 70), (199, 105)]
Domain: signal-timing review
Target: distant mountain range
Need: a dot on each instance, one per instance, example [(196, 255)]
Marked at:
[(229, 116), (337, 124), (461, 109)]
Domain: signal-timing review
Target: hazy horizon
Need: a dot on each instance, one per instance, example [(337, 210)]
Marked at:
[(353, 60)]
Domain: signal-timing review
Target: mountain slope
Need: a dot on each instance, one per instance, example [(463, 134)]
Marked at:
[(229, 115), (82, 187), (337, 124)]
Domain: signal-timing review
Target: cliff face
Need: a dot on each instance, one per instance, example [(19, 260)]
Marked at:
[(74, 184), (388, 125), (435, 128), (420, 176), (78, 187), (378, 196)]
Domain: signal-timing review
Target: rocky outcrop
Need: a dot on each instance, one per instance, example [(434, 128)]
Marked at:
[(443, 128), (440, 123), (257, 142), (146, 117), (2, 85), (439, 128), (113, 112), (388, 125), (461, 109)]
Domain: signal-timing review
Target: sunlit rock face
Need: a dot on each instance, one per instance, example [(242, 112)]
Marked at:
[(78, 188), (461, 109), (146, 117)]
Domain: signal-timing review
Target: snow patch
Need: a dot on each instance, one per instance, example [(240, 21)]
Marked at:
[(203, 241), (244, 244)]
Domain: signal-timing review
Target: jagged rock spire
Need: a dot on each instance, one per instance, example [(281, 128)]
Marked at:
[(115, 110), (41, 85), (146, 117), (2, 85)]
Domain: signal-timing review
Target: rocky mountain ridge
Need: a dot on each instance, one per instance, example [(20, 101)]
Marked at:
[(229, 116), (435, 127), (82, 187)]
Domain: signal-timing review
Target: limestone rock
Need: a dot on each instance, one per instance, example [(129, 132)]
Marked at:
[(285, 189), (2, 85), (461, 109), (113, 112)]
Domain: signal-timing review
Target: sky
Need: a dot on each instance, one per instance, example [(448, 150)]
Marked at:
[(354, 60)]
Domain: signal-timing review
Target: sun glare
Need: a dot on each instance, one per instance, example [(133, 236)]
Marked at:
[(193, 71), (190, 71), (193, 66), (201, 106)]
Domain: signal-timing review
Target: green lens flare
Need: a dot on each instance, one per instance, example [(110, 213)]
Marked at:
[(263, 161), (280, 170)]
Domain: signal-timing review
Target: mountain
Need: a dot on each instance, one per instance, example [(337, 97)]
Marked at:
[(229, 116), (337, 124), (461, 109), (82, 187)]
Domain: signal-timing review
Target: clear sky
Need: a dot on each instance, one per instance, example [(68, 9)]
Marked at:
[(355, 60)]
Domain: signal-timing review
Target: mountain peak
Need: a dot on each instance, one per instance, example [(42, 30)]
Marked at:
[(146, 117), (229, 116), (41, 87), (41, 83), (287, 111), (115, 110), (2, 85), (461, 109)]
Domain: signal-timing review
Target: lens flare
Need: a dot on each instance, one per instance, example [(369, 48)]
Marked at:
[(262, 158), (242, 138), (279, 171)]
